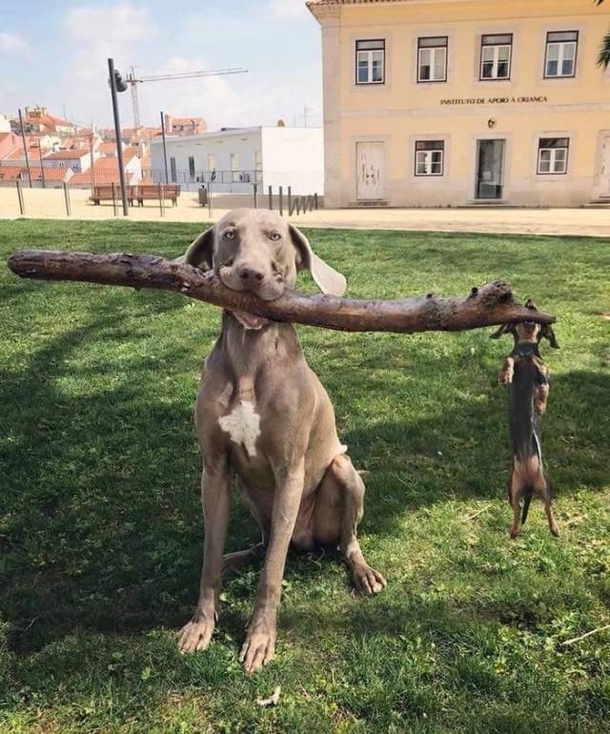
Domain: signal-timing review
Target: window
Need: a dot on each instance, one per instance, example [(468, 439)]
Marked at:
[(172, 168), (191, 167), (560, 54), (258, 166), (235, 167), (212, 166), (495, 56), (370, 62), (553, 155), (429, 156), (432, 59)]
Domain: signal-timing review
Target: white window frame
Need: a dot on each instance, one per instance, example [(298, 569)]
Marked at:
[(495, 42), (561, 44), (429, 154), (428, 49), (552, 156), (370, 56)]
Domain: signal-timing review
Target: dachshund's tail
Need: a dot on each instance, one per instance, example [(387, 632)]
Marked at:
[(527, 500)]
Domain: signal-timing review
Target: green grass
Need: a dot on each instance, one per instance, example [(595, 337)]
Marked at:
[(100, 527)]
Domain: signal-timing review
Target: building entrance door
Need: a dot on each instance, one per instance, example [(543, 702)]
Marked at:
[(490, 169), (370, 160), (604, 169)]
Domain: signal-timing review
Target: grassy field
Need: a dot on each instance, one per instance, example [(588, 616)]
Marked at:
[(100, 525)]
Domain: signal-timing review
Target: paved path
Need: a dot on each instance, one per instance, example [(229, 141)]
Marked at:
[(50, 204)]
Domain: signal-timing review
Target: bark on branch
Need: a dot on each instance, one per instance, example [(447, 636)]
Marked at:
[(489, 305)]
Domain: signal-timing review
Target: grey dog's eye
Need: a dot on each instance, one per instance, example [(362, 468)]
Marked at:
[(275, 236), (229, 234)]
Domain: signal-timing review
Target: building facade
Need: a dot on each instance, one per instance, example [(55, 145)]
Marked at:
[(464, 102), (232, 160)]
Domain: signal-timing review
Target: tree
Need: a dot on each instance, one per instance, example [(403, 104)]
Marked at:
[(603, 58)]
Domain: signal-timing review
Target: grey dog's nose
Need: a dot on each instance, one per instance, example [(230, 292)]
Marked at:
[(250, 275)]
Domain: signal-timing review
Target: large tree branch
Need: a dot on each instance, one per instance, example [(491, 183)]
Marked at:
[(491, 304)]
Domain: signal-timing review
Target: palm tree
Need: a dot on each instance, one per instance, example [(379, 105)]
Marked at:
[(603, 58)]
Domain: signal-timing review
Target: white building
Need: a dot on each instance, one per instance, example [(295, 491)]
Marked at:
[(232, 160)]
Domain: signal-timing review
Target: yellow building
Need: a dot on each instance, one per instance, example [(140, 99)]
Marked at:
[(464, 102)]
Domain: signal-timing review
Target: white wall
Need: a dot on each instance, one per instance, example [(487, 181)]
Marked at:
[(242, 143), (289, 156), (294, 157)]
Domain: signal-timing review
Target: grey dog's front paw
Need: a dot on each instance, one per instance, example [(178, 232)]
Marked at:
[(196, 634), (368, 581), (259, 647)]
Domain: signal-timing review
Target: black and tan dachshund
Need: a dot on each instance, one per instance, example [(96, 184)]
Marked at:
[(526, 376)]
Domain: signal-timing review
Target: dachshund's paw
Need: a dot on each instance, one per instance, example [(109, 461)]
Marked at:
[(506, 376), (540, 406)]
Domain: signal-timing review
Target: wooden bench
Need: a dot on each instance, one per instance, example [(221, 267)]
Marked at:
[(167, 192), (108, 192), (139, 193)]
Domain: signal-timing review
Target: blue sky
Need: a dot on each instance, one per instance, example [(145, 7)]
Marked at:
[(55, 54)]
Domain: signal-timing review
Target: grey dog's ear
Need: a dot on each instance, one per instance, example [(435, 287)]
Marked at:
[(504, 329), (326, 278), (200, 250)]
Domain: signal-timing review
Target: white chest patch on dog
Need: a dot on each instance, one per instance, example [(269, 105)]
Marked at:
[(243, 425)]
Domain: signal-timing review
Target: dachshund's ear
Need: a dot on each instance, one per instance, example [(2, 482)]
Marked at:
[(508, 328), (547, 333), (530, 304)]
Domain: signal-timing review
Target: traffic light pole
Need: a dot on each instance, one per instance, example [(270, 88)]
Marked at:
[(117, 132)]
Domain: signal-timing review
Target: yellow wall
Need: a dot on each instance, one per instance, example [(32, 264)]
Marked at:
[(401, 110)]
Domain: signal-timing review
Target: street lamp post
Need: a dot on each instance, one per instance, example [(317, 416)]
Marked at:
[(118, 85)]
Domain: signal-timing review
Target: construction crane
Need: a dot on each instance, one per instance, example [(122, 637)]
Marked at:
[(133, 82)]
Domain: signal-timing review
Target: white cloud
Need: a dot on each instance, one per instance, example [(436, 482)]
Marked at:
[(287, 9), (94, 35), (232, 100), (11, 43), (115, 25)]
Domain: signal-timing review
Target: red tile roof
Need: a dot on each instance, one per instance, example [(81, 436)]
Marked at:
[(9, 173), (50, 174), (62, 155)]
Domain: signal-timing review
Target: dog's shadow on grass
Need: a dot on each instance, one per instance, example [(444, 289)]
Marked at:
[(465, 453), (102, 521)]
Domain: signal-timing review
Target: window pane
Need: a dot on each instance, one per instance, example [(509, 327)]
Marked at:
[(377, 66), (370, 45), (432, 42), (567, 67), (503, 53), (363, 70), (562, 36), (424, 64), (439, 63), (497, 38), (503, 69), (551, 68), (488, 53)]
